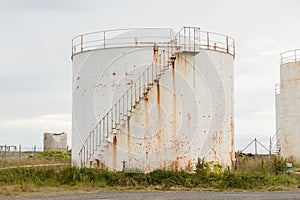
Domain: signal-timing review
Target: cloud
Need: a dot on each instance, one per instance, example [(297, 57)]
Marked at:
[(43, 121), (29, 131), (53, 5)]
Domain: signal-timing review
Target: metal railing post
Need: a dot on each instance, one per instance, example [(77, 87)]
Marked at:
[(104, 128), (104, 42), (123, 114), (207, 38), (227, 45), (107, 126), (81, 43)]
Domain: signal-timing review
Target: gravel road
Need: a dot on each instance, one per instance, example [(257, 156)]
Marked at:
[(105, 195)]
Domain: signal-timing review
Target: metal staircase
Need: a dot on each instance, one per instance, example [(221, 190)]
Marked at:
[(276, 143), (111, 123)]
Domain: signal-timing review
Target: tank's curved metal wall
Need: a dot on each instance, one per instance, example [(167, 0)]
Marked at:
[(278, 119), (98, 78), (188, 113), (290, 108)]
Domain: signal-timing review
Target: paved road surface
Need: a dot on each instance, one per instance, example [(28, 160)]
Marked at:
[(105, 195)]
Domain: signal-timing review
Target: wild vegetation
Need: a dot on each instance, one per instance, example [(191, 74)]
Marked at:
[(54, 155), (250, 174), (46, 157)]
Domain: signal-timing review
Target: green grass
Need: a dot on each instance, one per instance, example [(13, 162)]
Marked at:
[(72, 176), (261, 176)]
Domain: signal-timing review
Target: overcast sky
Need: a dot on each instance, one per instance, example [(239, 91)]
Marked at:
[(35, 49)]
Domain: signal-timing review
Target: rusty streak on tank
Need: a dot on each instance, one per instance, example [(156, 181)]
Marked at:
[(155, 58), (159, 119), (147, 134), (115, 153), (155, 53), (189, 139)]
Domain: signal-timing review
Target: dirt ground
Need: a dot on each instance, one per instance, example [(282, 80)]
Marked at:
[(165, 195)]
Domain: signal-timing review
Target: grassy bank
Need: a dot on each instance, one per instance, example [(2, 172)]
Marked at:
[(46, 157), (264, 175), (28, 179)]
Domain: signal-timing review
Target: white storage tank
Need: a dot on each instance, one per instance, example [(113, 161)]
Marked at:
[(55, 141), (150, 98), (289, 109), (278, 119)]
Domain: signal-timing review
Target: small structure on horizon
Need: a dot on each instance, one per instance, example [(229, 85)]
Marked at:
[(55, 141)]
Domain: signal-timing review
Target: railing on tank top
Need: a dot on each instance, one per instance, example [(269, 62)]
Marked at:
[(120, 112), (193, 39), (290, 56), (187, 39), (133, 37)]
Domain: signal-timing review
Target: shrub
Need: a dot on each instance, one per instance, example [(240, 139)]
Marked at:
[(278, 165), (54, 155)]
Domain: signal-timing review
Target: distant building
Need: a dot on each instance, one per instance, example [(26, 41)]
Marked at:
[(55, 141)]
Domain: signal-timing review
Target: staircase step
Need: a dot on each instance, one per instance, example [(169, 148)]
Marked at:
[(134, 106), (115, 131), (118, 126)]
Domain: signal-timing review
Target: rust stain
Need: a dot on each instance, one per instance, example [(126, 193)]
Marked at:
[(214, 139), (158, 136), (115, 153), (219, 144), (215, 154), (158, 93), (155, 57), (189, 167), (189, 135), (155, 53), (173, 63), (175, 164), (147, 136)]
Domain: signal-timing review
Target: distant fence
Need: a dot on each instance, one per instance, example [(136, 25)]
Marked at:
[(20, 151)]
